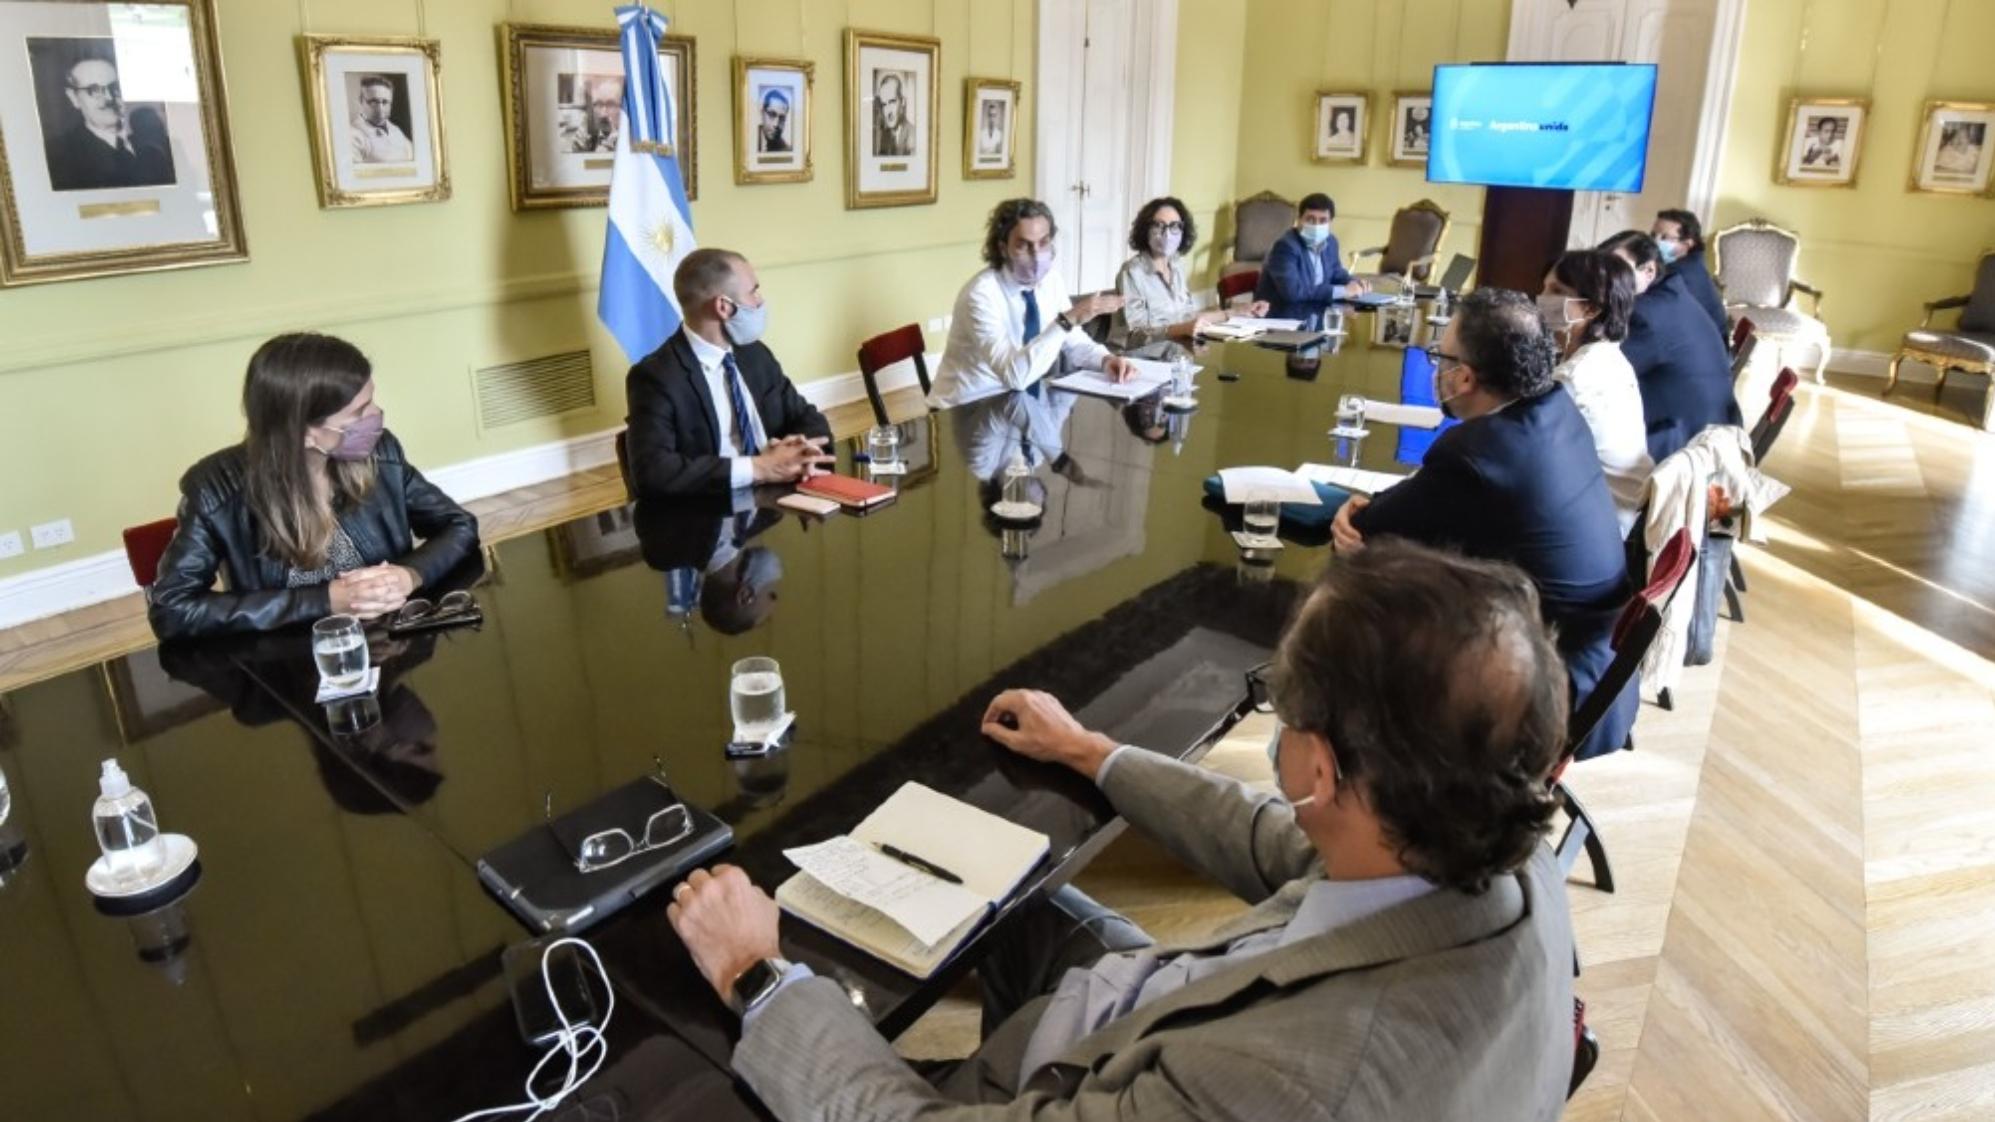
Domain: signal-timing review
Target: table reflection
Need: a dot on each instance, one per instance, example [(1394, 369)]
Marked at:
[(712, 564)]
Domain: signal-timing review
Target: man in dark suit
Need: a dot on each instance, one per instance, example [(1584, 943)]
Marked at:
[(710, 411), (1518, 481), (1681, 238), (1303, 272), (105, 147), (1679, 358)]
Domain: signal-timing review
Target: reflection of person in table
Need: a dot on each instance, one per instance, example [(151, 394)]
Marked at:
[(893, 129), (1343, 134), (1825, 146), (990, 138), (376, 139), (773, 137), (704, 546), (106, 145), (1960, 149), (1416, 129)]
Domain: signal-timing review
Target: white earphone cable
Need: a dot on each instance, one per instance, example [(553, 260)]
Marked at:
[(581, 1043)]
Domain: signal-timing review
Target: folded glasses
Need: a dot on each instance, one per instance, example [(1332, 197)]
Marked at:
[(608, 848), (419, 609)]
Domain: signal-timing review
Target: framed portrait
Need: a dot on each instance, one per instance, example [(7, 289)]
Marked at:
[(594, 545), (773, 119), (377, 123), (146, 701), (891, 105), (1824, 141), (114, 141), (564, 112), (1340, 127), (1412, 128), (990, 128), (1956, 143)]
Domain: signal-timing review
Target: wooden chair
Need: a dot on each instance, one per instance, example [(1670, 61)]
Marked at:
[(1412, 244), (1968, 348), (882, 351), (144, 545), (1238, 284), (1779, 406), (1634, 632)]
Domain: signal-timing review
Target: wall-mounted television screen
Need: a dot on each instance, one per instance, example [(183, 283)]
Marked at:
[(1577, 126)]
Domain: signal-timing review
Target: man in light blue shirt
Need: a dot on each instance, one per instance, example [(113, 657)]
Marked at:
[(1303, 272)]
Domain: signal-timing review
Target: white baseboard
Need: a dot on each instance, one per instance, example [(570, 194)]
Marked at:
[(39, 593)]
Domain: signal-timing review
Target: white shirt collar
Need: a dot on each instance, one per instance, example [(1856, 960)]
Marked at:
[(1330, 904), (708, 354)]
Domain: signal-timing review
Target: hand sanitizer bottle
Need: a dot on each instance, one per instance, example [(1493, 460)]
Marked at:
[(126, 829)]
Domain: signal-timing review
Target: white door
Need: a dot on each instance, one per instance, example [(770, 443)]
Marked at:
[(1104, 123), (1682, 37)]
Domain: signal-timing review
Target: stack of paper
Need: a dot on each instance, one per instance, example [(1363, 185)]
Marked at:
[(1266, 484), (1399, 413), (1150, 374), (1356, 480)]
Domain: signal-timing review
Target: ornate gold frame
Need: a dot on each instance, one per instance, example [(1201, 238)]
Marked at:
[(1933, 106), (515, 39), (855, 40), (1392, 134), (1364, 123), (230, 243), (1794, 107), (970, 88), (312, 51), (744, 119)]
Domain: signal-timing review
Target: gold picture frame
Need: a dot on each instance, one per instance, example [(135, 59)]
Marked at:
[(1950, 139), (559, 136), (983, 159), (170, 197), (409, 139), (1331, 105), (1804, 161), (1406, 146), (760, 161), (890, 157)]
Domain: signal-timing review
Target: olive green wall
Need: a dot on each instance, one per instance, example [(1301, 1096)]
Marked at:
[(1878, 250), (109, 388), (1206, 123)]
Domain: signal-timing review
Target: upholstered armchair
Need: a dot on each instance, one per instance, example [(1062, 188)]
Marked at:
[(1969, 347), (1411, 246), (1755, 270), (1257, 222)]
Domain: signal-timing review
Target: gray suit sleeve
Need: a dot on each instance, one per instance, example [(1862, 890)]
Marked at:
[(1244, 839)]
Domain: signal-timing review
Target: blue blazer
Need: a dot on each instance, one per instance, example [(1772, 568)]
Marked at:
[(1524, 485), (1285, 282), (1681, 365), (1692, 276)]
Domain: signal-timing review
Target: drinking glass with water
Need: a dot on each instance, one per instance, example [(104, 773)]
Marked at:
[(1261, 516), (1333, 320), (883, 444), (1350, 413), (340, 647), (755, 697)]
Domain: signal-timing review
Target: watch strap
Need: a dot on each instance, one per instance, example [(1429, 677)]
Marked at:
[(756, 984)]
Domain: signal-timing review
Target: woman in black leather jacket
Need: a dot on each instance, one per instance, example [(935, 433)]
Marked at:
[(315, 513)]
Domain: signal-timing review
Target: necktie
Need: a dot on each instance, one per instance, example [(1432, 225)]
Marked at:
[(744, 430), (1031, 328)]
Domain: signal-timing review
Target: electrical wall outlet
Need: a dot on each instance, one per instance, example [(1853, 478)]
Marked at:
[(48, 535), (10, 544)]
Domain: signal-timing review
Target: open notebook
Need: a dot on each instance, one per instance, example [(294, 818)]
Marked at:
[(911, 919)]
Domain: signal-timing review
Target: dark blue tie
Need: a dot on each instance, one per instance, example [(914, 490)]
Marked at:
[(744, 430), (1031, 328)]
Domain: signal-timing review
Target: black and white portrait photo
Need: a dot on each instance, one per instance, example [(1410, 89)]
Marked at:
[(93, 138), (772, 130), (1417, 130), (1824, 138), (1412, 127), (564, 93), (1340, 127), (1824, 149), (588, 111), (1953, 155), (772, 120), (991, 130), (890, 104), (380, 127), (990, 111), (377, 124)]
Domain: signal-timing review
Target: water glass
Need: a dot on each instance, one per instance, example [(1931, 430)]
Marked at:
[(340, 647), (351, 716), (1333, 319), (1261, 516), (1181, 377), (1350, 413), (1440, 305), (883, 447), (755, 696)]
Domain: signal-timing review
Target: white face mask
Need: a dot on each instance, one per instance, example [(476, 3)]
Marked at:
[(1274, 762), (1557, 311)]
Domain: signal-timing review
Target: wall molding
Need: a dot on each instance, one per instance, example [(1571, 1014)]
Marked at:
[(54, 589)]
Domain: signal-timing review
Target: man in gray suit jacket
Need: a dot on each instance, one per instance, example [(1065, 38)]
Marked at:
[(1409, 954)]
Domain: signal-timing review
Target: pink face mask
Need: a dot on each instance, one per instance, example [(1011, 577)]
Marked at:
[(357, 440)]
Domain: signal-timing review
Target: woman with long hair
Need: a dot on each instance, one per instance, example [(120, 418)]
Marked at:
[(315, 513)]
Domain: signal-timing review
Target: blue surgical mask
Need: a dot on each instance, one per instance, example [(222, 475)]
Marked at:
[(1670, 250), (1314, 235), (747, 324)]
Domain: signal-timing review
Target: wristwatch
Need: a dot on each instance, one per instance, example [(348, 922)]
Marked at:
[(1065, 323), (756, 983)]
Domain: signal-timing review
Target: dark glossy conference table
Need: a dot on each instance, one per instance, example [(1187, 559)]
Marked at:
[(339, 957)]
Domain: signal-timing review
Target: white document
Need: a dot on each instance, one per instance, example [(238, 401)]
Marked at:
[(1250, 484), (1252, 324), (1149, 375), (1356, 480), (1227, 331), (927, 906), (1153, 370), (1399, 413)]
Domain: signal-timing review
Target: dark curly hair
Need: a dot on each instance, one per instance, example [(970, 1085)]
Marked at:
[(1606, 282), (1688, 227), (1504, 341), (1139, 230), (1441, 693), (1005, 218)]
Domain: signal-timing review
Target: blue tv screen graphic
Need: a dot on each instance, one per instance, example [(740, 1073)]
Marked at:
[(1576, 126)]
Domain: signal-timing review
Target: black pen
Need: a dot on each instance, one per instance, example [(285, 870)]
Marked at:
[(913, 862)]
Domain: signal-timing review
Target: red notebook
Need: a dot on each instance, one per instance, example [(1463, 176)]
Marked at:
[(846, 491)]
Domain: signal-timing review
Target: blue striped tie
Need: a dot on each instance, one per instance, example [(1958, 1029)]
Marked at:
[(1031, 328), (744, 430)]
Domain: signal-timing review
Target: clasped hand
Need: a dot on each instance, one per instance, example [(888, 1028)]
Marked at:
[(791, 458), (372, 592)]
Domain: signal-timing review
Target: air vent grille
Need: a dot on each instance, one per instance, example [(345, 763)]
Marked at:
[(537, 387)]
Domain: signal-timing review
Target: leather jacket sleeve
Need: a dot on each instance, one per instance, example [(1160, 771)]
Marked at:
[(183, 602), (449, 532)]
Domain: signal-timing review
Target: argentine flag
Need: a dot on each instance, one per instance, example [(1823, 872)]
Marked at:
[(651, 228)]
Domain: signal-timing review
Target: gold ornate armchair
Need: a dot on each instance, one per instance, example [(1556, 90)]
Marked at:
[(1970, 347), (1412, 244), (1257, 221), (1754, 266)]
